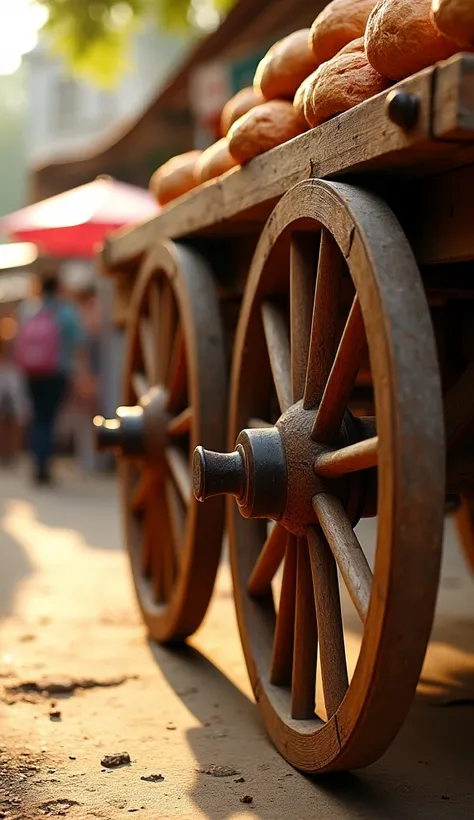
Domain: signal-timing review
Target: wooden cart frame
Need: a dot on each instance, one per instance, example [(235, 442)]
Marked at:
[(310, 314)]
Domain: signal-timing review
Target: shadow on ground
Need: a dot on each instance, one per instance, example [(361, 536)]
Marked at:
[(415, 778)]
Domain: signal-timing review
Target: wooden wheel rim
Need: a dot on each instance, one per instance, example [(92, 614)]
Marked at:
[(191, 284), (406, 570)]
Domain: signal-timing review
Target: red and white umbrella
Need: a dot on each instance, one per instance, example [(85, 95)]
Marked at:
[(74, 223)]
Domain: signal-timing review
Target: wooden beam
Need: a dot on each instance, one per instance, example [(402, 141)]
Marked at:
[(361, 141)]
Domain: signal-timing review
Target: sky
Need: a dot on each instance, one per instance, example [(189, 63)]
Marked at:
[(20, 21)]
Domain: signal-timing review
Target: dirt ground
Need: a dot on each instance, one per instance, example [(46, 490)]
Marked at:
[(79, 680)]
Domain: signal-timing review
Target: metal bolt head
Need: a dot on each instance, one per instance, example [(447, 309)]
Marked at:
[(254, 473), (217, 473), (403, 108)]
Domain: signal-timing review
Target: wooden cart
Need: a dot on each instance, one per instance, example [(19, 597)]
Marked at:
[(312, 315)]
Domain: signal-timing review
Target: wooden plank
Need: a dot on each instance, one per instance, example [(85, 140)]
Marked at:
[(453, 99), (362, 138)]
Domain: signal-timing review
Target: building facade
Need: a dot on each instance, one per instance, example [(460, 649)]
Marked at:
[(66, 114)]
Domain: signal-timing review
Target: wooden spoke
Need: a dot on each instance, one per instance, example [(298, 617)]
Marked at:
[(459, 408), (148, 349), (257, 424), (302, 258), (179, 469), (464, 518), (154, 297), (341, 378), (139, 384), (328, 613), (278, 346), (282, 658), (143, 490), (146, 544), (177, 516), (268, 562), (151, 532), (324, 323), (346, 549), (303, 683), (164, 543), (359, 456), (182, 423), (165, 332), (177, 377)]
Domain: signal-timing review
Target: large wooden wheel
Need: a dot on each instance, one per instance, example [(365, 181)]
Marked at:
[(174, 398), (316, 471)]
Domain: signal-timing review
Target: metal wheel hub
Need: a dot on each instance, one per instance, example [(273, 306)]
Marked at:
[(138, 431), (271, 471)]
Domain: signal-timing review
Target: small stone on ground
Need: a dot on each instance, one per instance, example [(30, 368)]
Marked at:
[(112, 761)]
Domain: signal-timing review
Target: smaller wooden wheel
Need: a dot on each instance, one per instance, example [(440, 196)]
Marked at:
[(174, 397), (332, 278)]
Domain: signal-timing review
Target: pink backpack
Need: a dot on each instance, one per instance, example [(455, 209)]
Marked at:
[(38, 344)]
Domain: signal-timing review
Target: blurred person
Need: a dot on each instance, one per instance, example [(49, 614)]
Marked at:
[(86, 402), (13, 405), (50, 352)]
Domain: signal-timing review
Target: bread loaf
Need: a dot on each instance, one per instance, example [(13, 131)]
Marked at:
[(401, 38), (338, 24), (455, 19), (263, 128), (340, 84), (300, 96), (214, 161), (175, 177), (285, 66), (243, 101)]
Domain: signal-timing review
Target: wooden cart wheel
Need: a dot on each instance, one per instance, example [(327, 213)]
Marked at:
[(174, 397), (313, 472), (464, 518)]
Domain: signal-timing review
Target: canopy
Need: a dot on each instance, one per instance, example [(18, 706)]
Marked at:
[(74, 223)]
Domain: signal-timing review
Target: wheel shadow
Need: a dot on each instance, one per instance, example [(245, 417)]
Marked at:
[(426, 773)]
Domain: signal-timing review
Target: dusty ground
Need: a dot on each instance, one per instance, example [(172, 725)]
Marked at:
[(68, 620)]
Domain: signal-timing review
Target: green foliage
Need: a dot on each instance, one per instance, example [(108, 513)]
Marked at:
[(94, 35)]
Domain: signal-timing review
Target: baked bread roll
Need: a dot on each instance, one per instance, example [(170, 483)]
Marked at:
[(237, 106), (175, 177), (340, 84), (263, 128), (338, 24), (455, 19), (214, 161), (285, 66), (401, 38)]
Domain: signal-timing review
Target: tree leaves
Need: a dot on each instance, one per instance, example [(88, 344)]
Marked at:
[(94, 36)]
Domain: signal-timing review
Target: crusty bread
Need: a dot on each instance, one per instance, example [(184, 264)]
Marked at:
[(237, 106), (175, 177), (340, 84), (455, 19), (263, 128), (285, 66), (401, 38), (338, 24), (214, 161)]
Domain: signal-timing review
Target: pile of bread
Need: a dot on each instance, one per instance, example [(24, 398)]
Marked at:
[(354, 50)]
